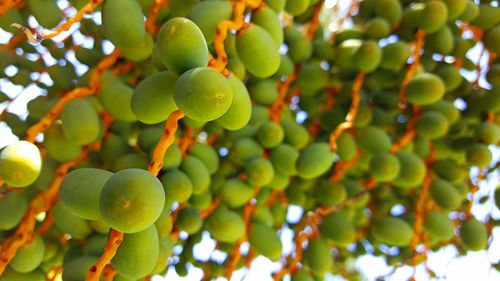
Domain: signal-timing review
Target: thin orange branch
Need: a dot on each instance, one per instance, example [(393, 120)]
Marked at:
[(410, 132), (417, 48), (275, 110), (341, 167), (353, 111), (151, 26), (115, 239)]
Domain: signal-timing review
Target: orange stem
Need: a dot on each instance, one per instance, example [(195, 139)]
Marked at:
[(418, 45), (115, 239), (151, 26)]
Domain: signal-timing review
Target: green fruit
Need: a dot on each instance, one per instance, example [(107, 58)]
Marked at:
[(491, 39), (411, 172), (225, 225), (377, 28), (182, 46), (488, 133), (140, 52), (331, 193), (425, 88), (312, 78), (46, 12), (197, 173), (435, 14), (384, 166), (296, 7), (455, 8), (368, 56), (470, 12), (390, 10), (57, 144), (235, 192), (80, 122), (373, 139), (29, 256), (94, 245), (12, 207), (449, 170), (337, 227), (295, 134), (80, 192), (240, 110), (259, 172), (318, 257), (153, 99), (314, 160), (439, 225), (266, 18), (258, 51), (486, 17), (138, 253), (123, 31), (270, 134), (440, 41), (302, 276), (392, 231), (75, 226), (445, 195), (77, 269), (207, 155), (203, 94), (189, 220), (178, 186), (245, 149), (208, 14), (11, 275), (478, 155), (164, 224), (394, 55), (284, 158), (20, 164), (431, 125), (264, 240), (473, 234), (131, 200), (264, 92)]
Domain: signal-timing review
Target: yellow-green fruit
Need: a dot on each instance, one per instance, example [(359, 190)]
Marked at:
[(373, 139), (445, 194), (80, 122), (412, 170), (164, 224), (182, 46), (11, 275), (207, 155), (473, 234), (314, 160), (449, 170), (435, 14), (296, 7), (20, 164), (394, 55), (368, 56), (153, 99), (258, 51), (203, 94), (284, 158), (189, 220), (440, 41), (29, 256), (491, 39), (488, 133), (270, 134), (58, 146), (138, 253), (295, 134), (302, 276), (266, 18), (377, 28), (178, 186), (432, 125), (75, 226), (384, 166), (115, 97), (225, 225), (259, 172), (331, 193), (451, 77), (478, 155), (208, 14), (245, 149), (425, 88), (197, 173), (488, 16), (12, 208), (392, 231), (123, 31), (240, 110), (131, 200), (390, 10), (455, 8), (264, 240), (318, 257), (312, 78), (46, 12), (140, 52), (439, 225), (77, 269), (80, 192), (470, 12), (337, 227), (235, 192), (264, 92)]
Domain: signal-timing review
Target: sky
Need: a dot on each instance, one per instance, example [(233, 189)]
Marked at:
[(445, 263)]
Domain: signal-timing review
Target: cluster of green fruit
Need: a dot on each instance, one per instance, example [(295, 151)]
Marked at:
[(240, 156)]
